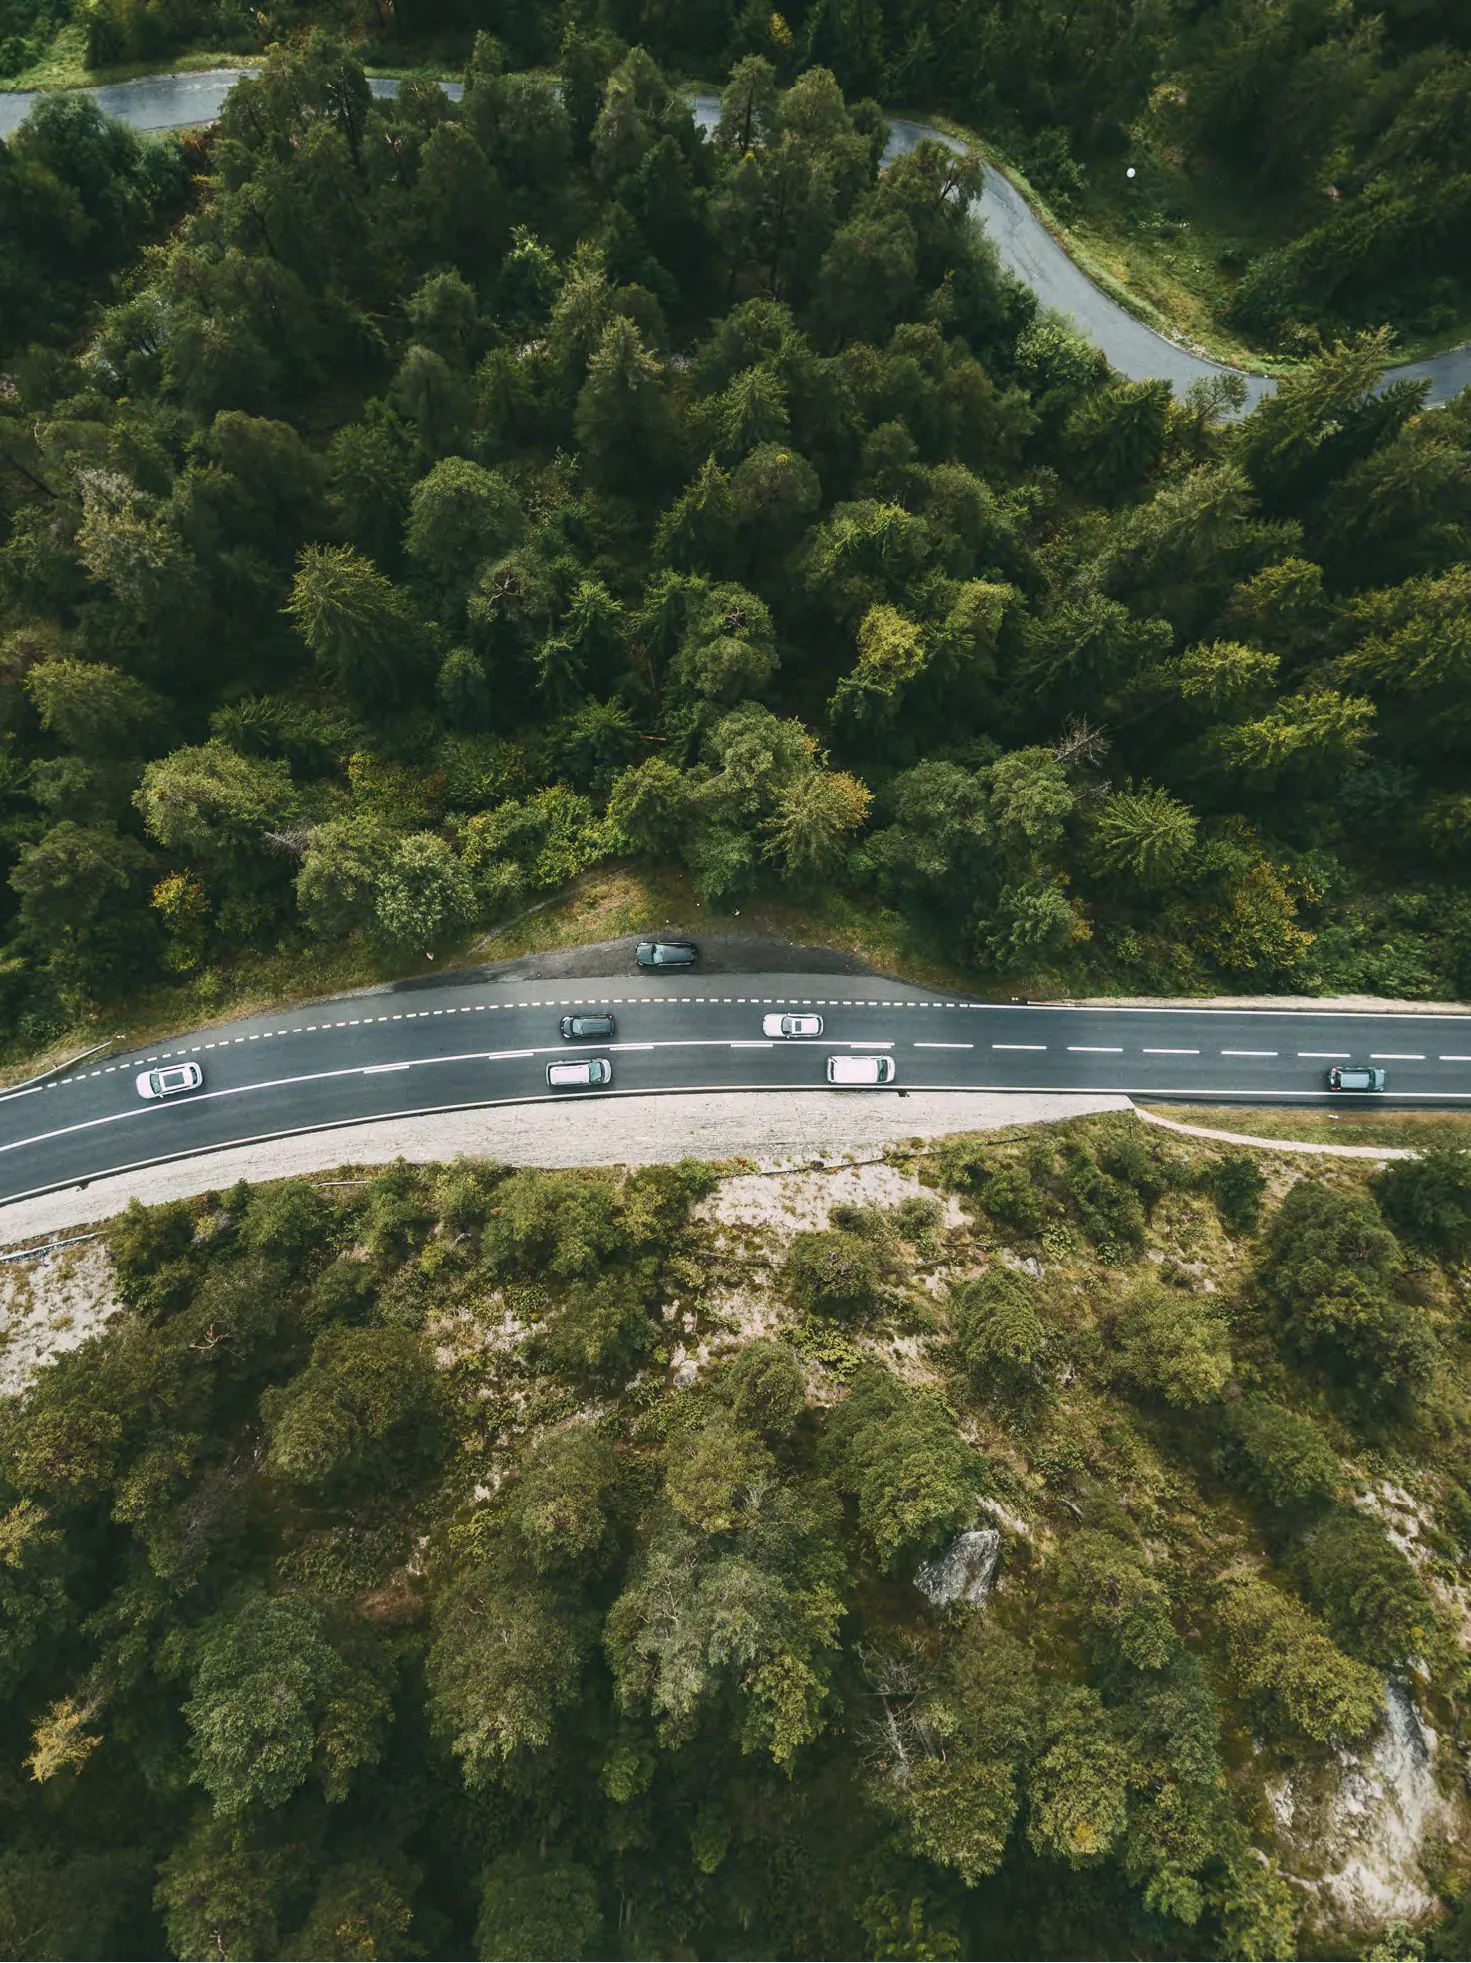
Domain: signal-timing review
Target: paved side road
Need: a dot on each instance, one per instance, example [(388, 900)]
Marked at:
[(413, 1051), (1027, 248)]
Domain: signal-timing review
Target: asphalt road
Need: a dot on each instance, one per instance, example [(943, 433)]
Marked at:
[(1026, 247), (415, 1050)]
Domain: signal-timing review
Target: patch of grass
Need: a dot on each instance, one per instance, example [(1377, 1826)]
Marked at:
[(1171, 244), (1352, 1127), (64, 64)]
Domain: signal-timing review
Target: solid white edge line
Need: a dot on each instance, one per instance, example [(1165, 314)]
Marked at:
[(1151, 1092)]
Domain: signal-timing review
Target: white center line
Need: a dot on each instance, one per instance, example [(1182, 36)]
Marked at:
[(1456, 1059), (1326, 1056), (1396, 1056), (1018, 1046), (1172, 1052), (1096, 1049), (1248, 1052), (943, 1046)]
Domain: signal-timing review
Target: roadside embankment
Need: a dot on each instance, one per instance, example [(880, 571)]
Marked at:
[(772, 1128)]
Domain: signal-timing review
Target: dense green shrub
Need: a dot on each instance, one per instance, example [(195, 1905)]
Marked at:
[(898, 1453), (1112, 1213), (1367, 1591), (1427, 1199), (835, 1274), (1281, 1454), (1329, 1272), (1236, 1183), (1282, 1659), (999, 1333), (1173, 1346)]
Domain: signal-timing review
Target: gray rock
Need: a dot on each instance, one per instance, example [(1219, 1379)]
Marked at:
[(965, 1572)]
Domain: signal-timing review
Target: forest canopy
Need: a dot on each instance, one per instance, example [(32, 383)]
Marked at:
[(468, 1562), (465, 493)]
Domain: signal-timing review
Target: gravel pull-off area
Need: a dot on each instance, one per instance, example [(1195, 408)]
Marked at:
[(773, 1128), (720, 954)]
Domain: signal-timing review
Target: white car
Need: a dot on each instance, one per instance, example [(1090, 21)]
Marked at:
[(791, 1025), (581, 1076), (855, 1070), (168, 1083)]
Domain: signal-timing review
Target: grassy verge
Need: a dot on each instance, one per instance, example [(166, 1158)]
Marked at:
[(1356, 1127), (1170, 245), (1169, 286), (64, 65)]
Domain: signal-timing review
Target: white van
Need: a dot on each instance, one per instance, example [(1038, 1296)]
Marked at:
[(585, 1074), (860, 1070)]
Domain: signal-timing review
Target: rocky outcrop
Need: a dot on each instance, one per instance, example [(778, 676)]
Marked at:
[(965, 1572)]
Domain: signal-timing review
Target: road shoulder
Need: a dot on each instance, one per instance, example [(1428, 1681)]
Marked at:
[(771, 1128)]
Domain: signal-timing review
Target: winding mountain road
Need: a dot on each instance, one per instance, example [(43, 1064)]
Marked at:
[(423, 1048), (1026, 247)]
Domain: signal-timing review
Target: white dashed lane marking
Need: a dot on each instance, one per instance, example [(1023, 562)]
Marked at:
[(726, 1001)]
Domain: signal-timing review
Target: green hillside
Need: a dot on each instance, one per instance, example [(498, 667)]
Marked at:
[(407, 506), (469, 1562)]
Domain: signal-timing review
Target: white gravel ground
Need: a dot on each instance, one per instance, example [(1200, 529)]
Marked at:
[(50, 1305), (774, 1128)]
